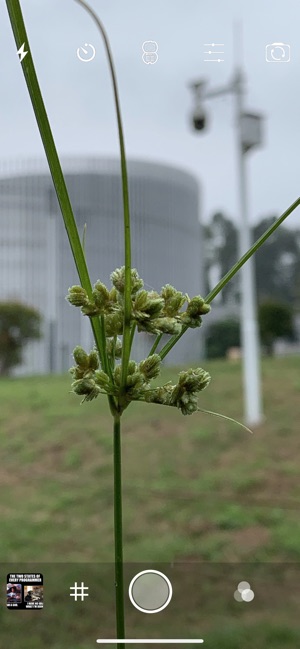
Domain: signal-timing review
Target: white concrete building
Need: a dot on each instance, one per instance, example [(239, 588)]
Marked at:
[(37, 266)]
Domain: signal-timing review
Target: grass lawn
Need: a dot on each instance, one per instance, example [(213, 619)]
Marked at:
[(203, 501)]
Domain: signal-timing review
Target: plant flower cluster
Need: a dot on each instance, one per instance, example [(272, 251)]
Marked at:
[(155, 313)]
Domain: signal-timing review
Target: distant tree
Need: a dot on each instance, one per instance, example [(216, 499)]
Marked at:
[(221, 336), (275, 321), (18, 324), (276, 263), (277, 271), (222, 249), (296, 287)]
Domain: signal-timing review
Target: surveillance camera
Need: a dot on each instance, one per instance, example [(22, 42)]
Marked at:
[(199, 119)]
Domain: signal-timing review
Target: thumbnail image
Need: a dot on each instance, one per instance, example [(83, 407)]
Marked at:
[(14, 593), (33, 593)]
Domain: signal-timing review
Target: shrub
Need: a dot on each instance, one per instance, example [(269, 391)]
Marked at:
[(275, 321), (18, 324), (221, 336)]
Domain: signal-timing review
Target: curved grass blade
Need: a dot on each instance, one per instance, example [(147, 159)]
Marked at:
[(217, 414)]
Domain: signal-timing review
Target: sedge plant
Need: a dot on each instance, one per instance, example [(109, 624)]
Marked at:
[(119, 312)]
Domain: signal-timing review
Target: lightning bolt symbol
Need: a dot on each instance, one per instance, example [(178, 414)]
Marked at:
[(21, 52)]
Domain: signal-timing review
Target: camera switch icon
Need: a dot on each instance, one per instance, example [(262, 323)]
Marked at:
[(278, 53)]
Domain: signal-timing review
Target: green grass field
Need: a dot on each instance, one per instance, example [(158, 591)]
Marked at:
[(203, 499)]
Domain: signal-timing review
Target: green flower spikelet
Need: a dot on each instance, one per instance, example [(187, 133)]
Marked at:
[(152, 312)]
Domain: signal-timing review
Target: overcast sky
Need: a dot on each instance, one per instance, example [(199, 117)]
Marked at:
[(156, 101)]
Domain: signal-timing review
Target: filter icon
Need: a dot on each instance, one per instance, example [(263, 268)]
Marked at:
[(243, 592)]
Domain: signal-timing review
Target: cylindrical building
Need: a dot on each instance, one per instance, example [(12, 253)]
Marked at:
[(37, 266)]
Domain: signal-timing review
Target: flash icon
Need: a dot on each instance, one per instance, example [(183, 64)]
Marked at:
[(21, 52)]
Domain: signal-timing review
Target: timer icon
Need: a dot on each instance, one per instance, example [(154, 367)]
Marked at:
[(86, 53)]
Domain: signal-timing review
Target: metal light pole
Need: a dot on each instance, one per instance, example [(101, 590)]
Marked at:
[(249, 135)]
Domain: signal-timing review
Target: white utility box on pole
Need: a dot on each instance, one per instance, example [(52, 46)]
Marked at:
[(249, 130)]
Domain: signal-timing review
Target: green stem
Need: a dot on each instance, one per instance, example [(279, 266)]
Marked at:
[(132, 332), (210, 297), (155, 344), (83, 240), (119, 583), (104, 346), (20, 35), (168, 346), (127, 241), (113, 355)]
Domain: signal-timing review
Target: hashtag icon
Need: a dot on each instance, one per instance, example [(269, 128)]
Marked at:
[(79, 591)]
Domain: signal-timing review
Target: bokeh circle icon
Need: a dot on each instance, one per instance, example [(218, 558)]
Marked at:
[(150, 591)]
